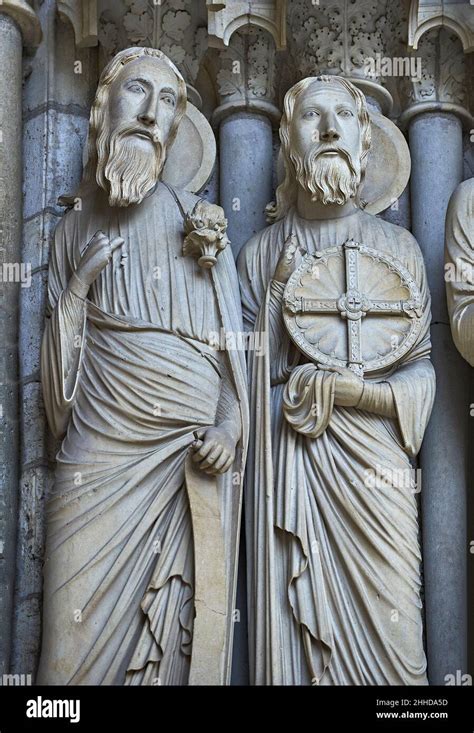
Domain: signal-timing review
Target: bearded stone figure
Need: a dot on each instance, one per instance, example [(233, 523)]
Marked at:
[(334, 555), (152, 418)]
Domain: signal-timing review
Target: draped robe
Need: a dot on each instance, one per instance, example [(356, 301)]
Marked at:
[(459, 271), (333, 556), (143, 376)]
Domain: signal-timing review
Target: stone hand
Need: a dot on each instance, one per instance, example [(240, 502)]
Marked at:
[(214, 450), (95, 257), (290, 258), (349, 387)]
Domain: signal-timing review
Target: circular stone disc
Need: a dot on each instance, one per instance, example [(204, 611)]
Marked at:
[(322, 332), (191, 158)]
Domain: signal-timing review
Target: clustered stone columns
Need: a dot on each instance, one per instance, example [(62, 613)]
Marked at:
[(435, 117), (245, 120), (18, 26), (56, 101)]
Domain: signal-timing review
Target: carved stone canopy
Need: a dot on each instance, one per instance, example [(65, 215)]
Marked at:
[(226, 17), (84, 19), (453, 15), (444, 80)]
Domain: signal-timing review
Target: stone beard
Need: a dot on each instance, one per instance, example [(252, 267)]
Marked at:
[(130, 170), (333, 560), (329, 180)]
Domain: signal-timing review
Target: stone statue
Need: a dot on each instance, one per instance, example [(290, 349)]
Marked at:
[(459, 270), (142, 525), (339, 403)]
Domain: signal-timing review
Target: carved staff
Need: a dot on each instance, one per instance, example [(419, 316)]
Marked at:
[(205, 230), (210, 594)]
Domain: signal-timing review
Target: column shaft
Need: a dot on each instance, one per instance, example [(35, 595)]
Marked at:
[(10, 239), (246, 173), (436, 149), (246, 176)]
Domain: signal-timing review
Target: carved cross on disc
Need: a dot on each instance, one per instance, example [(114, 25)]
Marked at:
[(352, 306)]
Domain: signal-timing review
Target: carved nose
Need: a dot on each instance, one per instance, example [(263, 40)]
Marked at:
[(148, 118), (330, 135)]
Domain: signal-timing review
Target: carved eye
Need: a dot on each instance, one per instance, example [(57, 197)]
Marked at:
[(346, 113), (311, 114), (168, 99), (136, 88)]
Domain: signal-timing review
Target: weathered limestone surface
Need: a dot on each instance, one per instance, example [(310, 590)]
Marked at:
[(237, 66)]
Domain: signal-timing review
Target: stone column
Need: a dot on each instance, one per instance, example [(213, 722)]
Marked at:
[(245, 120), (244, 76), (246, 164), (435, 138), (18, 26), (56, 101)]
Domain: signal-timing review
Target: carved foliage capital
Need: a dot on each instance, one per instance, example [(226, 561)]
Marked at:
[(176, 27), (247, 68), (444, 75), (340, 37)]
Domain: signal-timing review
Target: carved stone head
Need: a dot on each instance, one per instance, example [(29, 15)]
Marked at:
[(325, 136), (140, 101)]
